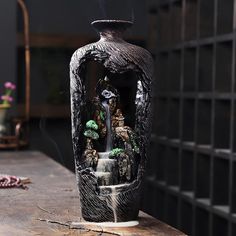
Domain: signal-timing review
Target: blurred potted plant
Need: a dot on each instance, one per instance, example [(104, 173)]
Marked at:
[(6, 100)]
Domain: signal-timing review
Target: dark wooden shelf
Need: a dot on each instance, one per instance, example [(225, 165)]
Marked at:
[(48, 40), (63, 40), (192, 146), (196, 95), (204, 203), (46, 111), (193, 168), (199, 42)]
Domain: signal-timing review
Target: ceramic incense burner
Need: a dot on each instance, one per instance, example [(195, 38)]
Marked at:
[(110, 155)]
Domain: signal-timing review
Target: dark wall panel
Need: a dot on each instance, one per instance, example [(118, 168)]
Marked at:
[(7, 40)]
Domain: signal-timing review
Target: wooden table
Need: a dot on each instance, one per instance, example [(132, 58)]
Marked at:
[(53, 196)]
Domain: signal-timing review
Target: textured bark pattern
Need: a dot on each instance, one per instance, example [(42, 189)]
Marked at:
[(117, 56)]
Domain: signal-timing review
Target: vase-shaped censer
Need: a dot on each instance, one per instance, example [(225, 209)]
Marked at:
[(110, 155)]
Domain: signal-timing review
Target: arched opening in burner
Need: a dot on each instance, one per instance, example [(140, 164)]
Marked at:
[(125, 83), (110, 143)]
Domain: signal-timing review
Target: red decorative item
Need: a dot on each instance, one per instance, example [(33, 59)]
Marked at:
[(7, 181)]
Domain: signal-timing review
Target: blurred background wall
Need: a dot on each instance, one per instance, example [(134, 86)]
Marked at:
[(57, 29)]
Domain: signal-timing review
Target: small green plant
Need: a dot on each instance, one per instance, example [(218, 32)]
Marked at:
[(115, 152), (90, 132), (91, 124)]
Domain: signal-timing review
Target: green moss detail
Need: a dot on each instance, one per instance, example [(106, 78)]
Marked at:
[(91, 134), (102, 115), (115, 152), (91, 124)]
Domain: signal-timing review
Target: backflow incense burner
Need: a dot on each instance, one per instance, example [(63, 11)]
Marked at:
[(110, 155)]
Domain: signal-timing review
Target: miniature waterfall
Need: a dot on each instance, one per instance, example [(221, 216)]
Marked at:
[(113, 202), (108, 125)]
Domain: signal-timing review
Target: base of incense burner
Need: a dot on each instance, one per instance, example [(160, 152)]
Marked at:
[(107, 224), (101, 119), (112, 203)]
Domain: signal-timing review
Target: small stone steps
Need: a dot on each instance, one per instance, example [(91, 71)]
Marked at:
[(107, 170)]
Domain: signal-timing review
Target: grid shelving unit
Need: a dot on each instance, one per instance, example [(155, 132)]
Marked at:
[(191, 176)]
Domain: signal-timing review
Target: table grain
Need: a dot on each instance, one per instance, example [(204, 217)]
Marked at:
[(53, 196)]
